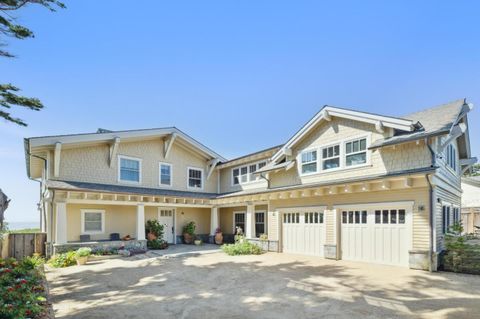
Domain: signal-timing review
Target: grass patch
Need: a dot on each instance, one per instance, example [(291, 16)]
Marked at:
[(25, 231), (242, 248)]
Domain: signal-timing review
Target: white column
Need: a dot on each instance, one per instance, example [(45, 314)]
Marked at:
[(140, 233), (250, 221), (213, 220), (61, 223)]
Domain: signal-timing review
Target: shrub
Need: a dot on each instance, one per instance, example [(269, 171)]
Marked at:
[(21, 288), (157, 244), (83, 252), (33, 262), (104, 251), (153, 226), (242, 248), (63, 260), (190, 228)]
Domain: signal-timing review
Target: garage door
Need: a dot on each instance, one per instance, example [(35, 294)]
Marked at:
[(304, 232), (379, 234)]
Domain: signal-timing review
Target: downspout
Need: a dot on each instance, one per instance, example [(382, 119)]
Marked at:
[(431, 224), (45, 165), (265, 178)]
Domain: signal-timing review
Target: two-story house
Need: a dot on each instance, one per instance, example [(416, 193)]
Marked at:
[(348, 185)]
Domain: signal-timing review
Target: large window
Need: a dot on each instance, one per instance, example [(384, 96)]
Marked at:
[(356, 152), (130, 169), (451, 157), (93, 221), (259, 224), (331, 157), (195, 178), (165, 174), (239, 223), (246, 174), (445, 219), (309, 162)]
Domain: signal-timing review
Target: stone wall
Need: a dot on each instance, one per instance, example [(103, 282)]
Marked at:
[(266, 245), (101, 245)]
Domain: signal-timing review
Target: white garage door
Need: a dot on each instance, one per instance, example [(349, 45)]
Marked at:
[(304, 232), (379, 234)]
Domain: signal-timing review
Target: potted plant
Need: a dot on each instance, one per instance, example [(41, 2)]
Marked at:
[(189, 232), (218, 236), (82, 254), (198, 242), (153, 229)]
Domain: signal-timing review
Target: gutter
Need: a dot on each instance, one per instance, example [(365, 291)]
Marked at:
[(431, 224)]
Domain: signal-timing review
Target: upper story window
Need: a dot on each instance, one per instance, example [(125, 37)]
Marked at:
[(195, 178), (165, 174), (130, 169), (356, 152), (345, 154), (309, 162), (331, 157), (246, 174), (451, 157)]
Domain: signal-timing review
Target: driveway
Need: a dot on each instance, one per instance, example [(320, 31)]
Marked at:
[(214, 285)]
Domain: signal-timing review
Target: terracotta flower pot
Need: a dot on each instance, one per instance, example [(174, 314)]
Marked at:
[(218, 238), (151, 236), (81, 260), (187, 238)]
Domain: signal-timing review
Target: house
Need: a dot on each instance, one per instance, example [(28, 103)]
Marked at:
[(471, 204), (348, 185)]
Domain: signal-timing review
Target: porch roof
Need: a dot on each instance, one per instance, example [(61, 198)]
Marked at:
[(120, 189)]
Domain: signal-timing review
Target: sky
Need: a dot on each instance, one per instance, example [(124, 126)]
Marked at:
[(238, 76)]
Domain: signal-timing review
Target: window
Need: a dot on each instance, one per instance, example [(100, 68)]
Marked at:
[(165, 174), (93, 221), (195, 178), (259, 224), (331, 157), (129, 169), (356, 152), (313, 218), (239, 222), (354, 217), (451, 157), (309, 162), (392, 216), (447, 221), (246, 174), (456, 215)]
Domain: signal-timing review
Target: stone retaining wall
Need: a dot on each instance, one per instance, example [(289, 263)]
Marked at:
[(101, 245)]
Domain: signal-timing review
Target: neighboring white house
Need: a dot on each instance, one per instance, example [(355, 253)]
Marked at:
[(471, 203)]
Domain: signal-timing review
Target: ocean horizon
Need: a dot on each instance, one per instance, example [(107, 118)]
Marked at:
[(22, 225)]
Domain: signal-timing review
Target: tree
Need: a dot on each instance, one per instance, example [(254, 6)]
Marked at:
[(4, 201), (8, 28), (475, 170)]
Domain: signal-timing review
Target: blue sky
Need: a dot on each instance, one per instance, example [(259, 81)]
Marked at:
[(238, 76)]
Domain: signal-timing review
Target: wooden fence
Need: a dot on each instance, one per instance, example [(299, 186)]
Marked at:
[(22, 245)]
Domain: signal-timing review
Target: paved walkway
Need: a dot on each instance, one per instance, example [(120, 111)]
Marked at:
[(213, 285)]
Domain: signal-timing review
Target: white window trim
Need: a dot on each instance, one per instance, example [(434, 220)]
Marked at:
[(265, 231), (85, 211), (245, 220), (452, 170), (119, 169), (202, 179), (160, 174), (343, 156), (232, 178)]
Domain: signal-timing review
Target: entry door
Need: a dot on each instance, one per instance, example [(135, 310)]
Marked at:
[(379, 234), (165, 217), (304, 232)]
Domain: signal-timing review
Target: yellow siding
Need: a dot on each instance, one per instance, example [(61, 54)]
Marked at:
[(226, 218), (90, 164), (201, 217)]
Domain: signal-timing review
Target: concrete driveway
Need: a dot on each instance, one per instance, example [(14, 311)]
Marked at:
[(213, 285)]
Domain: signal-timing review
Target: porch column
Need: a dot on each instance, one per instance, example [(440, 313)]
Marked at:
[(140, 233), (213, 220), (60, 223), (250, 221)]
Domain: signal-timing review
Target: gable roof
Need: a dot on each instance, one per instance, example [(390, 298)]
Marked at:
[(325, 114)]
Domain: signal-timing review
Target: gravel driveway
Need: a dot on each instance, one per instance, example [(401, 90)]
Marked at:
[(213, 285)]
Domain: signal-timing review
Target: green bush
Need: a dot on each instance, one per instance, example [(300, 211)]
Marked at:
[(63, 260), (157, 244), (33, 262), (153, 226), (21, 288), (83, 252), (242, 248), (190, 228)]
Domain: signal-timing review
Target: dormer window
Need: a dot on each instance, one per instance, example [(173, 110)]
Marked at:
[(309, 162), (246, 174), (331, 157), (129, 169), (451, 157), (356, 152)]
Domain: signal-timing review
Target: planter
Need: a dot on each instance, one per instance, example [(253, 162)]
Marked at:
[(187, 238), (198, 242), (81, 260), (218, 238), (151, 236)]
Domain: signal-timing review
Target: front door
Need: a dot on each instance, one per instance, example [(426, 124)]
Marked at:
[(165, 218)]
